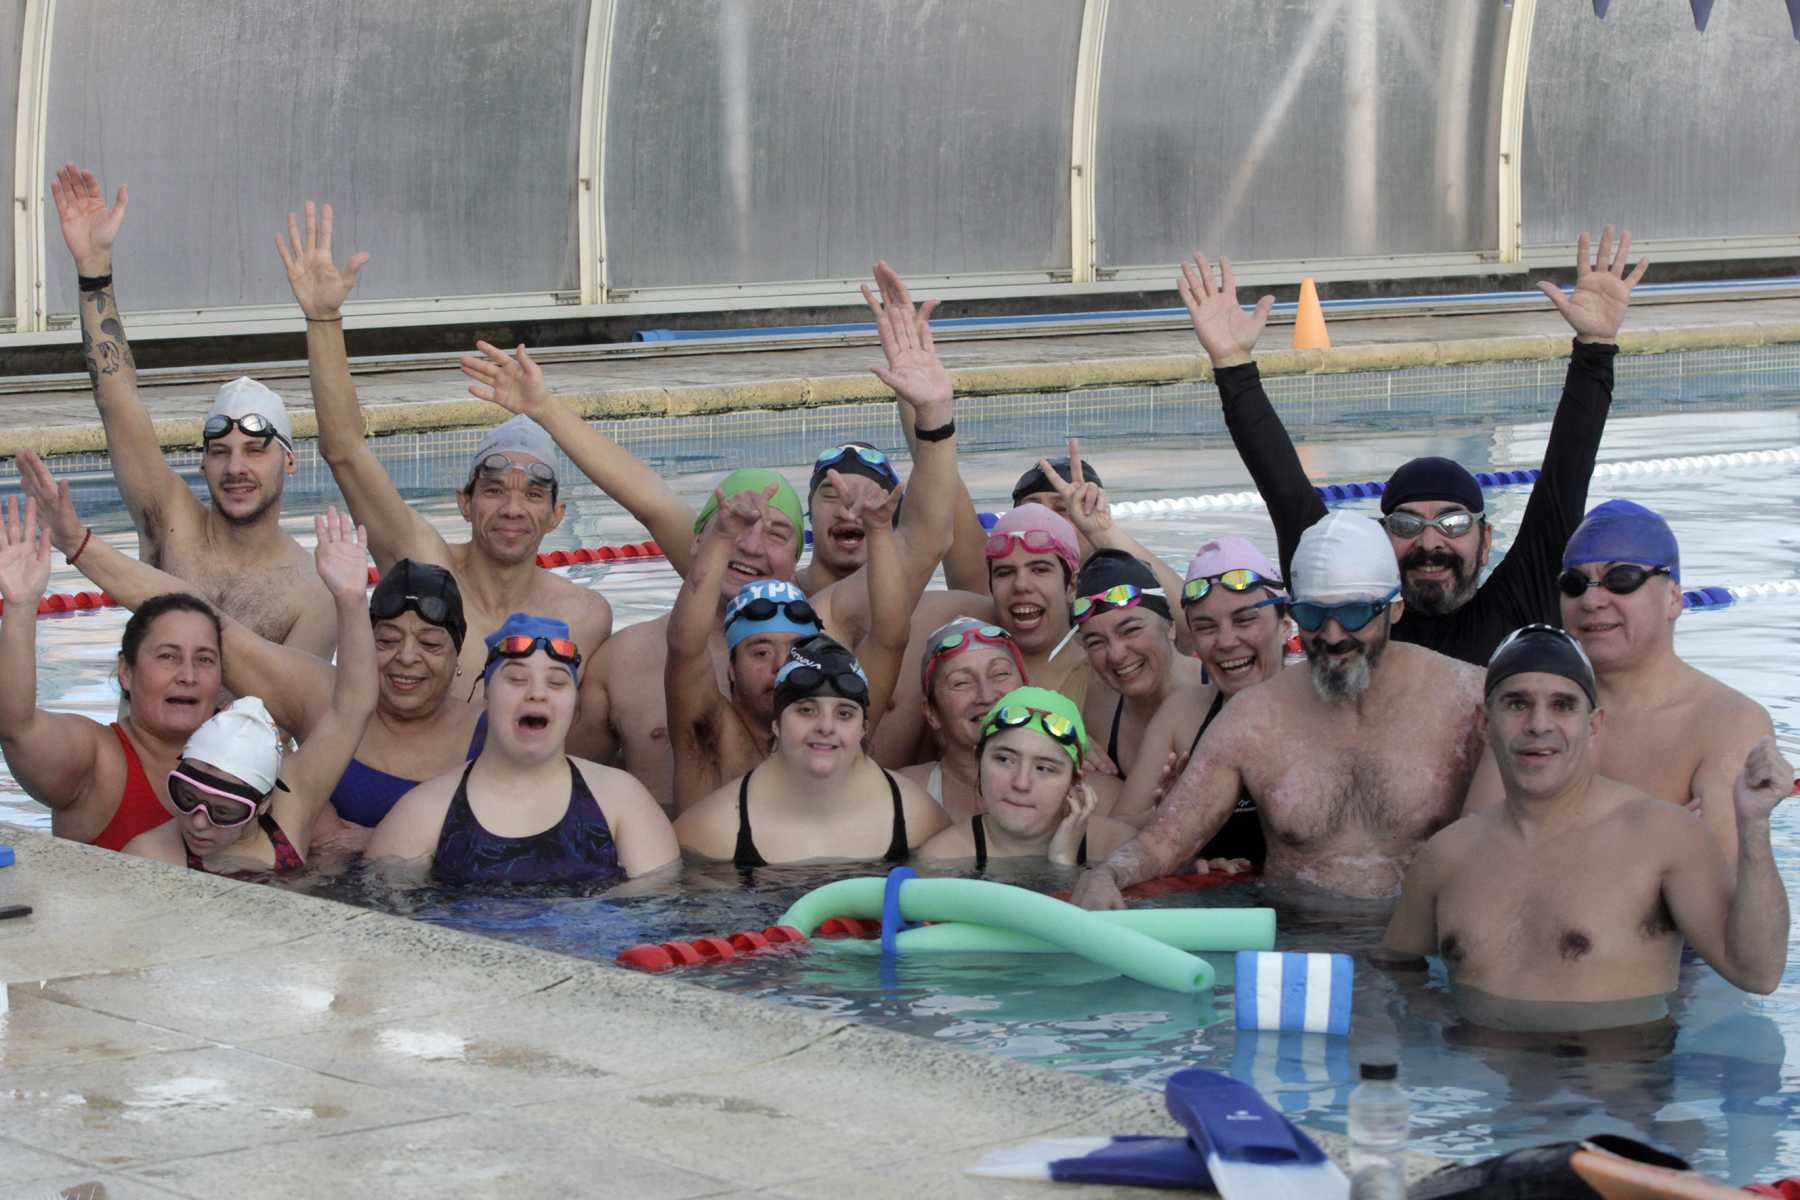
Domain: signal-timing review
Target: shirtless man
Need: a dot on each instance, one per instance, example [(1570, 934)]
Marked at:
[(1566, 906), (510, 500), (1671, 730), (1352, 764), (232, 551), (839, 546), (1432, 508), (719, 735)]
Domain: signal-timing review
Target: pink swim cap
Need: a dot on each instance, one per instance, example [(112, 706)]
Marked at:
[(1231, 554), (1041, 529)]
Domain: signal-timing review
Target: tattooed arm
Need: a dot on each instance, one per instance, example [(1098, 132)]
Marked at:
[(153, 493)]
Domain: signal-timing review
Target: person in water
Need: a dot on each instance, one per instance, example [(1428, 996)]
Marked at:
[(1568, 904), (523, 811), (1235, 607), (966, 667), (510, 500), (818, 795), (1034, 802), (421, 727), (1671, 730), (1349, 771), (1432, 508), (230, 551), (840, 547), (103, 784)]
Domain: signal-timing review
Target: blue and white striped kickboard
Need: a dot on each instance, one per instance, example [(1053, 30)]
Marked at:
[(1295, 1072), (1305, 992)]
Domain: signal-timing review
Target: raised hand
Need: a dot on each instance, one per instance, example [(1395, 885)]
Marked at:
[(319, 284), (1172, 768), (515, 383), (342, 555), (1085, 502), (1065, 843), (1596, 308), (88, 225), (738, 514), (24, 556), (913, 368), (1226, 331), (1765, 781), (54, 506), (865, 501)]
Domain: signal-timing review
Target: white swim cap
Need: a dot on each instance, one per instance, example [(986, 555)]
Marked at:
[(1344, 557), (244, 397), (520, 435), (241, 741)]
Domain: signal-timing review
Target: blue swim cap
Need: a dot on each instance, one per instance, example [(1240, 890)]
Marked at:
[(547, 630), (787, 607), (1620, 531)]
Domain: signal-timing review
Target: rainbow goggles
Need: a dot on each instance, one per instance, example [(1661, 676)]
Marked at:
[(1122, 595), (1058, 728), (1241, 580)]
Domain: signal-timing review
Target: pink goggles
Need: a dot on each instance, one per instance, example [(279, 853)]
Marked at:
[(1037, 541), (227, 805)]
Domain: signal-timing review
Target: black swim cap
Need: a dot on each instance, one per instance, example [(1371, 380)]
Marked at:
[(1541, 648), (1109, 568), (428, 590), (1035, 483), (820, 666), (1432, 479)]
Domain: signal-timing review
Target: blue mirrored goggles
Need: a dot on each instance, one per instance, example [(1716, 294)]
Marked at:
[(833, 456), (1351, 615)]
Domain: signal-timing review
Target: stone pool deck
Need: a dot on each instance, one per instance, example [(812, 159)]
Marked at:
[(60, 418), (167, 1033)]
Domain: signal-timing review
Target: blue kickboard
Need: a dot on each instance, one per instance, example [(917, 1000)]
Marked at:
[(1305, 992)]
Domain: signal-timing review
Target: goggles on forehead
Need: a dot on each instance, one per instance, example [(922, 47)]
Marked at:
[(1537, 629), (1122, 595), (763, 609), (227, 804), (834, 455), (388, 606), (999, 545), (1403, 524), (958, 640), (803, 677), (1351, 615), (1057, 727), (524, 645), (1241, 580), (1621, 580), (253, 424), (495, 466)]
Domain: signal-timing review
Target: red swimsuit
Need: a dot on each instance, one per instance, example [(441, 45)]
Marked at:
[(139, 810)]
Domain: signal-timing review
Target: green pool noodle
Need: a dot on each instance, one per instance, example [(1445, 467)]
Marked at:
[(1004, 907)]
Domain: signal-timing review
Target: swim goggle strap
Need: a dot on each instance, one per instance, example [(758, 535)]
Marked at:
[(956, 641), (1243, 579), (1408, 525), (253, 424), (496, 465), (1122, 595), (1351, 615), (228, 804), (1621, 580), (869, 455), (524, 645), (1055, 726), (806, 679), (764, 609), (1537, 629)]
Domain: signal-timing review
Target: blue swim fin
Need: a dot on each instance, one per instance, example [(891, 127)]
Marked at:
[(1252, 1152), (1158, 1162)]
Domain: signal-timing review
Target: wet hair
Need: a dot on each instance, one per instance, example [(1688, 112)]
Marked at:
[(138, 628)]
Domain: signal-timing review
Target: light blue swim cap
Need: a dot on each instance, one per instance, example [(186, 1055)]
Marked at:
[(1621, 531), (791, 612)]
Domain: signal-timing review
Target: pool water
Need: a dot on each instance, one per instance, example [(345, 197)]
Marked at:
[(1718, 1083)]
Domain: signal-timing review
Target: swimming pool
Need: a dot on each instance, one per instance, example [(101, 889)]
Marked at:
[(1718, 1083)]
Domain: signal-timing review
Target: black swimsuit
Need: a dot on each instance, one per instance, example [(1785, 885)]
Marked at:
[(1242, 834), (747, 855), (981, 845), (1112, 739)]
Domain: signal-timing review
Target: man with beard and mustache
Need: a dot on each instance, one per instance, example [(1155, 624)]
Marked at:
[(1352, 763), (231, 551), (1432, 508)]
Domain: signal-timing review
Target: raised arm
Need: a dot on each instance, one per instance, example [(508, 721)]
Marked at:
[(1228, 334), (153, 493), (294, 685), (965, 562), (321, 287), (517, 384), (342, 559), (893, 590), (1741, 930), (1092, 517), (52, 755)]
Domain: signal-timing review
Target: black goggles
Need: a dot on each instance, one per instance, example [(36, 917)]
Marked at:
[(253, 424), (762, 609), (806, 680), (435, 610), (495, 466), (1621, 580)]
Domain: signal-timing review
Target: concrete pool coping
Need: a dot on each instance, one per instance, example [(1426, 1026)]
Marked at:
[(170, 1033), (63, 421)]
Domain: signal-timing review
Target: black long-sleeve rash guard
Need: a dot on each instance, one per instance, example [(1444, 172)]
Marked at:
[(1522, 588)]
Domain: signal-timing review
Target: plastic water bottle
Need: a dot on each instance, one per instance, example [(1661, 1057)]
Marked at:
[(1379, 1117), (1379, 1182)]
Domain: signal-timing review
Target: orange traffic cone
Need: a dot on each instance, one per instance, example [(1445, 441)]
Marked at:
[(1309, 322)]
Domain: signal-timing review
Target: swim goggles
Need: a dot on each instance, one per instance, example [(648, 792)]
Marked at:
[(1241, 580), (1537, 629), (802, 677), (227, 804), (388, 606), (1122, 595), (524, 645), (762, 609), (1017, 716), (1409, 525), (1621, 580), (1351, 615), (874, 458), (253, 424), (999, 545), (957, 640), (497, 465)]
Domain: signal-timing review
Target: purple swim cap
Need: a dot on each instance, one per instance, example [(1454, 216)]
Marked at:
[(1621, 531)]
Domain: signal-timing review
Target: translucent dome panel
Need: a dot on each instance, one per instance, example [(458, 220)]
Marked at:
[(443, 134), (1298, 128), (801, 139), (12, 19), (1641, 120)]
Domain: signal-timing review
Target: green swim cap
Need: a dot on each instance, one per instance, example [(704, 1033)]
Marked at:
[(756, 479), (1050, 713)]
